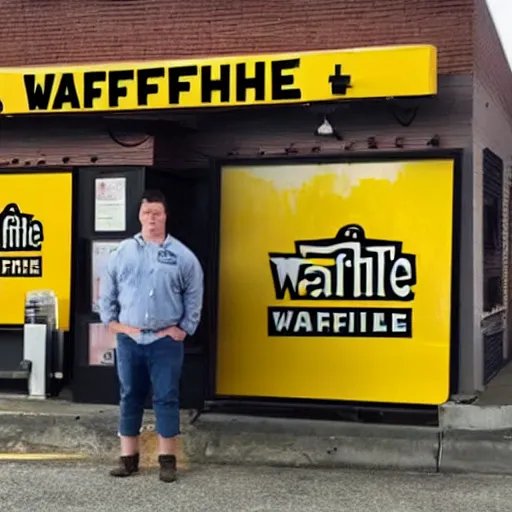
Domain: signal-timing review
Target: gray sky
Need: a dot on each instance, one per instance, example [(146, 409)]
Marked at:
[(502, 13)]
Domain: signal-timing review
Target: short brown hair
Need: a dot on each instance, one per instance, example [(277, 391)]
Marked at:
[(154, 196)]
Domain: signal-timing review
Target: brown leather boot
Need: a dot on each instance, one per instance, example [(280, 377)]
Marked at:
[(167, 468), (128, 465)]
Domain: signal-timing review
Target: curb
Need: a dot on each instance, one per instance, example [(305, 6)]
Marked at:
[(453, 416), (246, 440), (94, 437), (231, 440), (477, 452), (303, 443)]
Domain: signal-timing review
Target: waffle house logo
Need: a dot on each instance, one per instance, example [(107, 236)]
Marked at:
[(20, 233), (349, 267)]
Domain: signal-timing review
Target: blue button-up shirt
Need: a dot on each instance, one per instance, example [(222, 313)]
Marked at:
[(152, 286)]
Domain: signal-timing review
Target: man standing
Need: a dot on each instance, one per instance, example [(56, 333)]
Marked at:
[(151, 297)]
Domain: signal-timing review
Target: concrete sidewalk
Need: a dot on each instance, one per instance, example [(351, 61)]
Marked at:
[(499, 390), (64, 428)]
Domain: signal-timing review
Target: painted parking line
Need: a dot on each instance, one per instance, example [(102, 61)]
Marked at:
[(41, 456)]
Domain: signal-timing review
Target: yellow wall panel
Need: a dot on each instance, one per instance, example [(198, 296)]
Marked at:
[(335, 281), (35, 241)]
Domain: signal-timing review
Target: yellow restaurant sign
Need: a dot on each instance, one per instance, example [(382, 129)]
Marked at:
[(35, 241), (335, 281), (222, 81)]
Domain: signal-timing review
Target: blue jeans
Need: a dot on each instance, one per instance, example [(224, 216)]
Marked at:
[(139, 367)]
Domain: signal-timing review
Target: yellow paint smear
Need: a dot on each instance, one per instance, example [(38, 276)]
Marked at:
[(41, 456)]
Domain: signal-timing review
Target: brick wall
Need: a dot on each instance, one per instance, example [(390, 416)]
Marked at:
[(490, 63), (67, 31)]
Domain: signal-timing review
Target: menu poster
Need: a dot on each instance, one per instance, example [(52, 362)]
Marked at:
[(102, 346), (110, 204)]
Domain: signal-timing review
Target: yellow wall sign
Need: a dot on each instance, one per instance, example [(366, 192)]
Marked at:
[(35, 241), (335, 281), (222, 81)]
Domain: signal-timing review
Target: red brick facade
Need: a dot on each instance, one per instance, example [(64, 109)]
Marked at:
[(490, 63), (68, 31)]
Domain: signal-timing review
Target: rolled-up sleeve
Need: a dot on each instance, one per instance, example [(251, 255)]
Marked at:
[(192, 296), (108, 304)]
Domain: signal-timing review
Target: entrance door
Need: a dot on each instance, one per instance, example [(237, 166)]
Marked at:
[(188, 196)]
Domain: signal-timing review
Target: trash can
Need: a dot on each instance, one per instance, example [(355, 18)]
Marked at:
[(39, 333)]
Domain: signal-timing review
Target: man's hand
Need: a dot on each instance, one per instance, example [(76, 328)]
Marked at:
[(130, 331), (174, 332), (117, 327)]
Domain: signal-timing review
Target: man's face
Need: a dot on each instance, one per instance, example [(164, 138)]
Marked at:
[(152, 217)]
